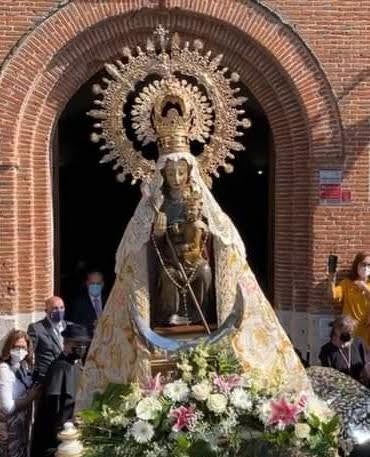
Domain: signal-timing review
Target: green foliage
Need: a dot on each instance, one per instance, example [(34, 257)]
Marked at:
[(204, 360), (111, 396), (89, 416), (323, 437), (330, 428), (227, 363), (107, 426), (202, 449), (314, 421), (281, 439), (322, 441), (181, 446)]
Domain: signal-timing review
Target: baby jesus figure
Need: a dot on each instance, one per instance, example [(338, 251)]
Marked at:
[(189, 238), (194, 230)]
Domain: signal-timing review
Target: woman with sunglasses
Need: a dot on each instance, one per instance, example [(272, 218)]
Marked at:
[(353, 295)]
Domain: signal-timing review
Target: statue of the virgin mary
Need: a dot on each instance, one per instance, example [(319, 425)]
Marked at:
[(181, 259)]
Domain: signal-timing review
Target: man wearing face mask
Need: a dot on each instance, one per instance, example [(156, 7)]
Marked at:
[(344, 352), (58, 399), (88, 306), (46, 336)]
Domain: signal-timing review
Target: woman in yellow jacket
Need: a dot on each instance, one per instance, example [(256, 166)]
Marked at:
[(353, 294)]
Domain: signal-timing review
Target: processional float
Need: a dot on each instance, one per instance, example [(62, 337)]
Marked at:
[(181, 261)]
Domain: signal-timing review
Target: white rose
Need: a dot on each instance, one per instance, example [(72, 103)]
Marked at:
[(217, 403), (201, 391), (318, 408), (176, 391), (240, 399), (148, 408), (264, 411), (302, 431)]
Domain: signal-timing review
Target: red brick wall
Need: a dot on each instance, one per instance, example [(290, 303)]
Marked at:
[(18, 17), (306, 65), (338, 32)]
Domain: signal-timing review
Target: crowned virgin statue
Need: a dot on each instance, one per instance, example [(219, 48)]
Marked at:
[(181, 261)]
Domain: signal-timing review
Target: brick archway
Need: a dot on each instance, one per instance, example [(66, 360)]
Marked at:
[(53, 61)]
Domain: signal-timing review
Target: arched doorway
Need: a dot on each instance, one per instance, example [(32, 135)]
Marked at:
[(40, 75), (91, 209)]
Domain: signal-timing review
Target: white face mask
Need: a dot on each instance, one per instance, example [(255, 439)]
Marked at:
[(363, 272), (17, 355)]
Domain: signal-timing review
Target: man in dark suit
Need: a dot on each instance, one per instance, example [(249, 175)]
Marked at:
[(56, 405), (87, 307), (46, 337)]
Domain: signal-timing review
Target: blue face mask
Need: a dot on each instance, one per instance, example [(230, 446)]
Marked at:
[(95, 290), (57, 316)]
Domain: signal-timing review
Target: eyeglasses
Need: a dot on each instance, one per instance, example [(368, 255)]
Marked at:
[(363, 264)]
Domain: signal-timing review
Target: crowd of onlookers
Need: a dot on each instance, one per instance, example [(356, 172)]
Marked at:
[(39, 369), (349, 347)]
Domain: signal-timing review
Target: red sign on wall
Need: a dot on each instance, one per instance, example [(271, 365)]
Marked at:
[(330, 190), (346, 196)]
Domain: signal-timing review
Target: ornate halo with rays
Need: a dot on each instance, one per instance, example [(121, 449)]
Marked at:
[(212, 103)]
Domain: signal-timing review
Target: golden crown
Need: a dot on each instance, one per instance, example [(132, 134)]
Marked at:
[(170, 111), (193, 195), (172, 123)]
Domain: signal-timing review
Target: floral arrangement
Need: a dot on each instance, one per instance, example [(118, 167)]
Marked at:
[(207, 409)]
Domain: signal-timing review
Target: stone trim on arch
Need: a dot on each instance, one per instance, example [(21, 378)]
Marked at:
[(286, 80)]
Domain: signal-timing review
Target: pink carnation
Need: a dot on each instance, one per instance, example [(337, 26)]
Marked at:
[(183, 417)]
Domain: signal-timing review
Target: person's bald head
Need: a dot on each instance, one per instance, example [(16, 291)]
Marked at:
[(54, 304)]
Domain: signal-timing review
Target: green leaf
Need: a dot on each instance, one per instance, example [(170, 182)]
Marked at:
[(332, 426), (182, 442), (314, 421), (111, 396), (202, 449), (89, 416), (97, 401)]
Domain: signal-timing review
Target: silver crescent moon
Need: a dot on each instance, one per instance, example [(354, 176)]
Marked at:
[(153, 340)]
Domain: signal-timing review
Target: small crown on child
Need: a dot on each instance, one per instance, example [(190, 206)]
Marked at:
[(193, 195)]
